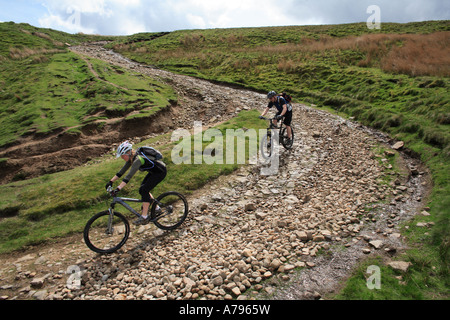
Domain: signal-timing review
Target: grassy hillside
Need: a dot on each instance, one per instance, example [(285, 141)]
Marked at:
[(395, 79), (44, 87)]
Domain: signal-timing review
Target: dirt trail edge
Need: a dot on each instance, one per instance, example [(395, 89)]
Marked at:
[(296, 235)]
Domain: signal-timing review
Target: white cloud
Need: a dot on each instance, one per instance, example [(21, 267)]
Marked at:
[(83, 6), (196, 21), (68, 24), (234, 13), (92, 16)]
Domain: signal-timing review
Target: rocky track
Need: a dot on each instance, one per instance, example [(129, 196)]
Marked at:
[(295, 235)]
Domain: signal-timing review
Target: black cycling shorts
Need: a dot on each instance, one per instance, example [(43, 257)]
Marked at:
[(287, 118), (153, 178)]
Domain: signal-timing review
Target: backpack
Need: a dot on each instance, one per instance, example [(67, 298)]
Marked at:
[(288, 99), (152, 155)]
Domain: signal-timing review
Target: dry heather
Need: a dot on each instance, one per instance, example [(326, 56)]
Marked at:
[(23, 53), (411, 54)]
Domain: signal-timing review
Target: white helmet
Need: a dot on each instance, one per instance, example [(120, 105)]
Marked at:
[(124, 148)]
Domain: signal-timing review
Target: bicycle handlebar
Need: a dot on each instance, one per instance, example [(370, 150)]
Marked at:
[(110, 191), (264, 118)]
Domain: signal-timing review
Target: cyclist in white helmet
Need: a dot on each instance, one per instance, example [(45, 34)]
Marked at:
[(156, 173)]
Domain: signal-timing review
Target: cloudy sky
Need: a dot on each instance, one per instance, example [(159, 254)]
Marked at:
[(124, 17)]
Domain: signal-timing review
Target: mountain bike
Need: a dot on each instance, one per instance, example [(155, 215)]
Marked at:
[(267, 143), (107, 231)]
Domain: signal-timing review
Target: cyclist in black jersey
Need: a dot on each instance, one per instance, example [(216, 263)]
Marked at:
[(156, 173), (284, 110)]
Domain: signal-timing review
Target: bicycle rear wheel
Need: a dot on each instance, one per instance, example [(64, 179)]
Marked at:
[(169, 211), (106, 233)]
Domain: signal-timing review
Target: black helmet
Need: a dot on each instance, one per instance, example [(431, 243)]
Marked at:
[(271, 94)]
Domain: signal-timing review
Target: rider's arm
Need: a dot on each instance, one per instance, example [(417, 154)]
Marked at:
[(122, 171), (134, 168), (284, 110), (122, 185), (265, 112)]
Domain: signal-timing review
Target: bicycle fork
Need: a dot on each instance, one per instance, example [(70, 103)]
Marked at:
[(276, 135), (269, 138), (109, 226)]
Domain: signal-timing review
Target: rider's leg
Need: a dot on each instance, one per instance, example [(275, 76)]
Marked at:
[(152, 179), (147, 198), (153, 199), (145, 207), (287, 122)]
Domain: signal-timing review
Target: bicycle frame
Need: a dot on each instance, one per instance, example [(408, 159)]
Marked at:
[(123, 203), (272, 126)]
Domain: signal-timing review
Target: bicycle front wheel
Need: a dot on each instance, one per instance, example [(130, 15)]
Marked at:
[(105, 233), (169, 211), (266, 147), (285, 141)]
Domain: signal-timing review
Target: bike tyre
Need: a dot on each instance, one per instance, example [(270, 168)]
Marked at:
[(265, 149), (88, 228), (182, 211), (283, 140)]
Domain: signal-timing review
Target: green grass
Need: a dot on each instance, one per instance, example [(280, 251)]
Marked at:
[(60, 204), (26, 36), (45, 88), (63, 93), (426, 279)]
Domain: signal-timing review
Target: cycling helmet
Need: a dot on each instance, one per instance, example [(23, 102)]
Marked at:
[(124, 148), (271, 94)]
